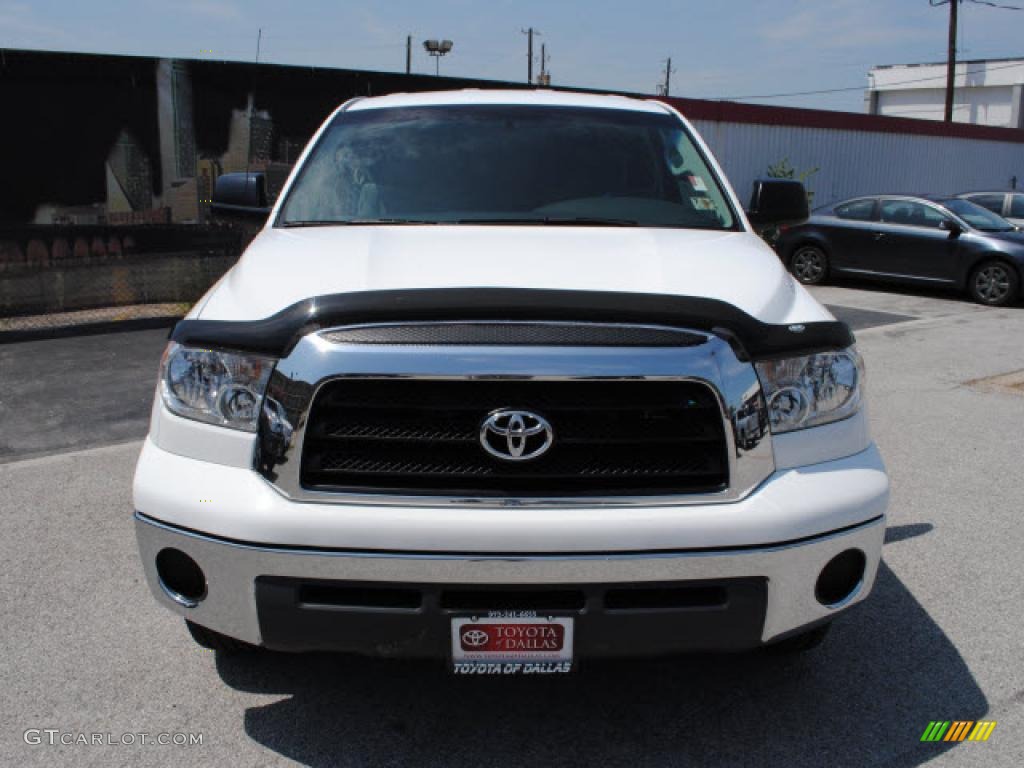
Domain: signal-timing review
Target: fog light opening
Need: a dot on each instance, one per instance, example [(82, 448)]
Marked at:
[(841, 578), (181, 578)]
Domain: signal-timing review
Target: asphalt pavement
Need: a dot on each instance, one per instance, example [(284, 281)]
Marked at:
[(84, 649), (76, 392)]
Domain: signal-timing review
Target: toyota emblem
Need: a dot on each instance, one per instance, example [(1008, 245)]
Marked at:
[(474, 638), (514, 435)]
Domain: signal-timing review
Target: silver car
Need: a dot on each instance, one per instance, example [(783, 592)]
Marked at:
[(1009, 205)]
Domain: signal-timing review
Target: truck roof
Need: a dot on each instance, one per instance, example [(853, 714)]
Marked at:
[(524, 97)]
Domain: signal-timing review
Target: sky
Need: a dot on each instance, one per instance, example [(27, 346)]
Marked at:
[(746, 49)]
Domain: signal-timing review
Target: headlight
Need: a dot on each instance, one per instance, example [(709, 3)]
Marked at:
[(220, 388), (812, 390)]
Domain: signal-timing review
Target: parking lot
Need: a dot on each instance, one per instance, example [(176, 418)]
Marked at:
[(85, 649)]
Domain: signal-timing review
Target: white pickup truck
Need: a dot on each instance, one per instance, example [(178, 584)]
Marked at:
[(508, 378)]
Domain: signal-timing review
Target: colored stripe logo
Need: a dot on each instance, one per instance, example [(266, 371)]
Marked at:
[(958, 730)]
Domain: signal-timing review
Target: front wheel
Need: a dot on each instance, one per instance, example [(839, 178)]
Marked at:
[(809, 265), (993, 283)]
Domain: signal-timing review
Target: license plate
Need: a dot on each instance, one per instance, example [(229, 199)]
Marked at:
[(499, 644)]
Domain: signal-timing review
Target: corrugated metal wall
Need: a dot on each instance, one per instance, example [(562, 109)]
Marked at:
[(862, 162)]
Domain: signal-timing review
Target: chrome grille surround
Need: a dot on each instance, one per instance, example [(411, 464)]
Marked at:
[(315, 360)]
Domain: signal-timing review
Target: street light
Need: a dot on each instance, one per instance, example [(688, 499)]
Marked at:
[(437, 49)]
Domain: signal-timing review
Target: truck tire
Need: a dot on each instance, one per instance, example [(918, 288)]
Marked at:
[(215, 641)]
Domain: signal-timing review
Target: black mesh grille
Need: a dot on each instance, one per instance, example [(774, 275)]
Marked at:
[(517, 334), (422, 437)]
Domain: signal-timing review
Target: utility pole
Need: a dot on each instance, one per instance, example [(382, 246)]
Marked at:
[(663, 86), (529, 56), (252, 105), (951, 61), (529, 52), (408, 54), (544, 78)]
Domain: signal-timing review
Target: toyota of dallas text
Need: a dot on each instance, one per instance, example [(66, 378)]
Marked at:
[(508, 379)]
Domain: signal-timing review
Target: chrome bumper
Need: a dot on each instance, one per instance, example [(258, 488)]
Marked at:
[(231, 569)]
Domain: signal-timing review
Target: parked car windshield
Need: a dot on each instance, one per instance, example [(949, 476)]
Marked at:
[(978, 217), (507, 165)]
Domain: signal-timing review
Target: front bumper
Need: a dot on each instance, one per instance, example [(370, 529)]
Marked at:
[(255, 593), (235, 502)]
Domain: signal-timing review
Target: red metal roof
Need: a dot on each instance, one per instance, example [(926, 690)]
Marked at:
[(759, 114)]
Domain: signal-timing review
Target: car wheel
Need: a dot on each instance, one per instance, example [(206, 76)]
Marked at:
[(809, 265), (215, 641), (994, 283), (805, 641)]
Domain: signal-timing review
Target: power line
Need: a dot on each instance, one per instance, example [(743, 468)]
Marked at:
[(989, 3), (998, 5), (861, 87)]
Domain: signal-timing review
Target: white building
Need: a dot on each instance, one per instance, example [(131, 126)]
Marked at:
[(986, 92)]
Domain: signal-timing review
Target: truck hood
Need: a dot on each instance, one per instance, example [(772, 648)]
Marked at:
[(285, 266)]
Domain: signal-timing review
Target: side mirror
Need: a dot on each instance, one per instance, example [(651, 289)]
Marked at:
[(952, 227), (240, 195), (777, 202)]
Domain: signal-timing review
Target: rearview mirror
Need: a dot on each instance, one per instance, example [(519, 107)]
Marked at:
[(952, 227), (777, 202), (240, 195)]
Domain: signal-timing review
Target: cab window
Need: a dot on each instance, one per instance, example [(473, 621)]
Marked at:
[(858, 210), (993, 202), (911, 214)]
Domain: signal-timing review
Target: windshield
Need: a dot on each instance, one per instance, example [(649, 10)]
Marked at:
[(978, 217), (507, 165)]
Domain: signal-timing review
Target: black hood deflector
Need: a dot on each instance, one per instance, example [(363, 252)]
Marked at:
[(277, 334)]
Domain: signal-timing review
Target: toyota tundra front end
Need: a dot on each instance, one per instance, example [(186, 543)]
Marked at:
[(509, 379)]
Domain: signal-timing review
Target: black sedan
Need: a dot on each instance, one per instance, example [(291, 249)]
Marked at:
[(898, 238)]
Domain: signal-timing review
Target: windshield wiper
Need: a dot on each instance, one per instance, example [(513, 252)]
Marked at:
[(355, 222), (554, 221)]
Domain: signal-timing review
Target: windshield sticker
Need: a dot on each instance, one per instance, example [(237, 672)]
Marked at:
[(703, 203), (697, 183)]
